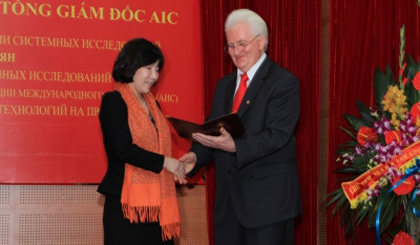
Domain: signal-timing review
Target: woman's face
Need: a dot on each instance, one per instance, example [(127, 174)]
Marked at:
[(144, 78)]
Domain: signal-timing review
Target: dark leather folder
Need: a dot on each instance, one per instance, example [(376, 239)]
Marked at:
[(230, 122)]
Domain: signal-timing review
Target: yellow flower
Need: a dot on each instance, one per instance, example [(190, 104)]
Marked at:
[(395, 102), (395, 121)]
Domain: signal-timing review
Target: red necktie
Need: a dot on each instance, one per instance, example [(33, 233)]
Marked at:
[(240, 93)]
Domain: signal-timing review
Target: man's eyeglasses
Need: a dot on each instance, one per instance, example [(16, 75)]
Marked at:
[(240, 46)]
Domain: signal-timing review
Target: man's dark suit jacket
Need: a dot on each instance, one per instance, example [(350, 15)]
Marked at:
[(261, 178)]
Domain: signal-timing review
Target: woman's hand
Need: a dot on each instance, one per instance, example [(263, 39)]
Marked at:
[(177, 168)]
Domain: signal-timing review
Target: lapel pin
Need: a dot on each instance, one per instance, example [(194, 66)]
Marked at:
[(248, 102)]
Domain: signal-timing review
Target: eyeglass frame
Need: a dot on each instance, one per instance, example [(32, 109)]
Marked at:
[(227, 47)]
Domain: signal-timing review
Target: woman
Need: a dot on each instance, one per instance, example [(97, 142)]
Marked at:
[(140, 199)]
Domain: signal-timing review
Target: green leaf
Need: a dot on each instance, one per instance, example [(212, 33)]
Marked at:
[(337, 194), (390, 207), (409, 90), (342, 151), (380, 86), (365, 113), (411, 93), (355, 122), (410, 220), (342, 204), (349, 144), (411, 69), (347, 147), (349, 178), (347, 220), (387, 215), (361, 162), (361, 214), (349, 171), (416, 203), (390, 76), (394, 230), (381, 83), (348, 132)]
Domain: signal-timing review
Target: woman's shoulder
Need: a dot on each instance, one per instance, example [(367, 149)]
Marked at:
[(113, 99), (112, 95)]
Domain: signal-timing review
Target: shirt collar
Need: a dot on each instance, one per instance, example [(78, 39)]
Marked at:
[(253, 69)]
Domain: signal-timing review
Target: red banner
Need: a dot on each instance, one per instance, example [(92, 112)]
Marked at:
[(355, 190), (56, 60)]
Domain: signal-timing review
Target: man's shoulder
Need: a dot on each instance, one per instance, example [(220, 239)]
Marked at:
[(275, 67), (277, 70), (227, 79)]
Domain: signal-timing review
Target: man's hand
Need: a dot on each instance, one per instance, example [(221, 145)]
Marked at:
[(189, 160), (223, 142)]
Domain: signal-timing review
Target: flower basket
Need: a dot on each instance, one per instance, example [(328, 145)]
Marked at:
[(382, 161)]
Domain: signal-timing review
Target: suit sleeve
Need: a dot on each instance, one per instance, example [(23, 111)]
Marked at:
[(116, 132), (205, 154), (281, 116)]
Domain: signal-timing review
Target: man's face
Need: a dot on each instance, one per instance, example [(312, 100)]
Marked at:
[(244, 57)]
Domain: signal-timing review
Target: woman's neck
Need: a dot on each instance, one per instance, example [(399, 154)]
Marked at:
[(139, 95)]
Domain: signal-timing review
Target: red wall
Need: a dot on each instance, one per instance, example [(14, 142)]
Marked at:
[(56, 59)]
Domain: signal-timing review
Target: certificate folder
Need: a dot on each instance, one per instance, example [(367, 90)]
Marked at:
[(230, 122)]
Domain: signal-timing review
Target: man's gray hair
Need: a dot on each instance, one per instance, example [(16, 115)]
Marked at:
[(256, 23)]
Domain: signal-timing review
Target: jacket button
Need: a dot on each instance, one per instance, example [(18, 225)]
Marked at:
[(229, 172)]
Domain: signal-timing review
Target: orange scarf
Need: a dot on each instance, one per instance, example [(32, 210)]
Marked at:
[(147, 196)]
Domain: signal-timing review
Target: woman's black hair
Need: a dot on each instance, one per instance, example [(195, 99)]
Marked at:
[(136, 53)]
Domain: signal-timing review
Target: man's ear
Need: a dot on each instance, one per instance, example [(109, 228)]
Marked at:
[(261, 43)]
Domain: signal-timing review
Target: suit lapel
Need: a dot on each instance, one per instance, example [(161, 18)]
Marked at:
[(230, 90), (256, 84)]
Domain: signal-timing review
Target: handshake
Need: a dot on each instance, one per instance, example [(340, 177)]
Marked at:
[(180, 167)]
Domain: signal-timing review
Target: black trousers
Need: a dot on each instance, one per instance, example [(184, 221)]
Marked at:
[(119, 231), (231, 232)]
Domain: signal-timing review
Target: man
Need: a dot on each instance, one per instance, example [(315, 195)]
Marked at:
[(257, 193)]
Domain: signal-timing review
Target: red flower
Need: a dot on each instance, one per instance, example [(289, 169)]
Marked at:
[(405, 81), (366, 134), (402, 69), (416, 81), (405, 187), (415, 112), (392, 135), (403, 238)]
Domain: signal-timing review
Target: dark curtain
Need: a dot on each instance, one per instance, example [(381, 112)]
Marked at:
[(364, 35), (294, 43)]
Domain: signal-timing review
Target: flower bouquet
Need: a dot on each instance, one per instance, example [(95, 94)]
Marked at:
[(381, 161)]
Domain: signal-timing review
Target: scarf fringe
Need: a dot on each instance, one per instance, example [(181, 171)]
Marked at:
[(146, 214), (171, 231)]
